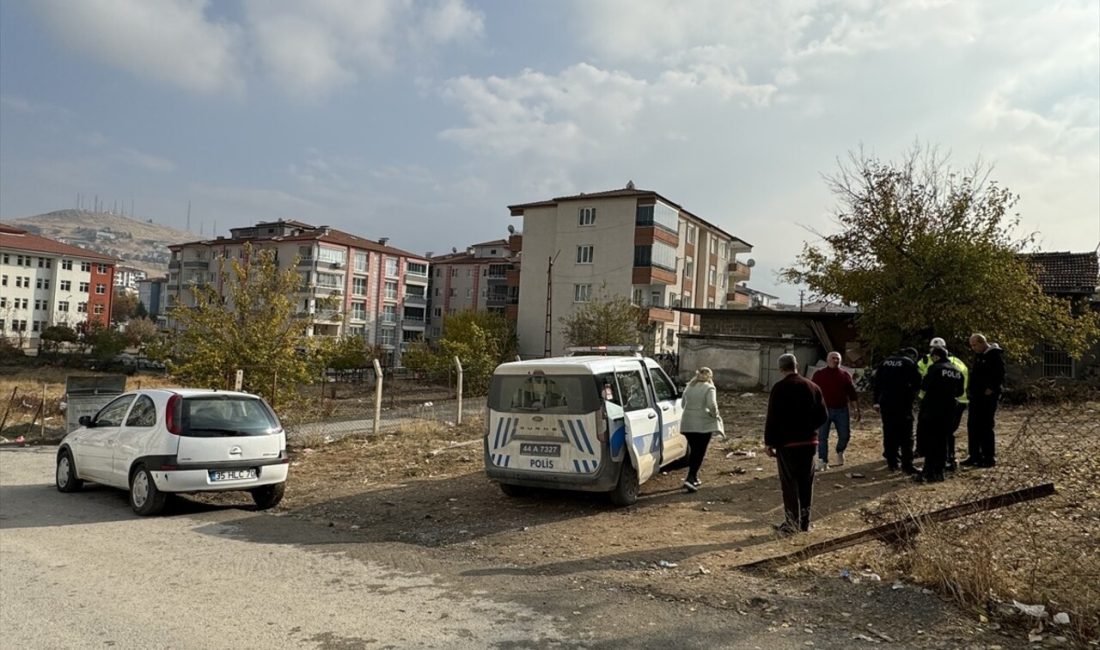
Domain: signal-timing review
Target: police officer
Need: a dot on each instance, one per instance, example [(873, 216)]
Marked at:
[(960, 405), (897, 381), (942, 385)]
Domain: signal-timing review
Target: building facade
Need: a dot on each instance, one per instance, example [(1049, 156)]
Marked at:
[(626, 242), (151, 294), (351, 286), (476, 279), (127, 277), (44, 282)]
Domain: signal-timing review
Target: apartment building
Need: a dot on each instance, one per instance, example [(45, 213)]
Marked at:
[(127, 278), (480, 278), (44, 282), (151, 294), (351, 286), (626, 242)]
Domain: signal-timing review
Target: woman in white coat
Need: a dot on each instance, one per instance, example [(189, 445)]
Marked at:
[(700, 421)]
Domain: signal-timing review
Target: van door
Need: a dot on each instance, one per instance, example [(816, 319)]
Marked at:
[(674, 444), (643, 430)]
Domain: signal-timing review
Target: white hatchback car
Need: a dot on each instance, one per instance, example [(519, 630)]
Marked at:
[(156, 442)]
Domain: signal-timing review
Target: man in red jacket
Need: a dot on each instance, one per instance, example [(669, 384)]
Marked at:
[(796, 409), (839, 391)]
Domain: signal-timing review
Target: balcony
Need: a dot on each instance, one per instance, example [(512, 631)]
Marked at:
[(415, 299), (652, 275), (196, 264), (739, 272), (661, 314), (415, 324)]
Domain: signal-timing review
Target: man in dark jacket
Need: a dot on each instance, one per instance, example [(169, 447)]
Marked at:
[(796, 409), (897, 381), (942, 385), (987, 378)]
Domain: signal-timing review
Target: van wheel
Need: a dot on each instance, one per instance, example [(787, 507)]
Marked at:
[(145, 498), (268, 496), (514, 490), (626, 490)]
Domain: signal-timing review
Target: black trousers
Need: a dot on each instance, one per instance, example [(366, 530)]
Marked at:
[(796, 479), (979, 428), (697, 443), (934, 427), (959, 410), (897, 434)]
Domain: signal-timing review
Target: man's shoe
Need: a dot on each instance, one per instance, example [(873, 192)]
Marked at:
[(821, 465), (919, 477), (785, 528), (893, 467), (987, 464), (950, 466), (970, 462), (692, 486), (839, 459), (910, 470)]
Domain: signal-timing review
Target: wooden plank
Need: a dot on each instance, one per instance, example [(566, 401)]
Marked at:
[(907, 527)]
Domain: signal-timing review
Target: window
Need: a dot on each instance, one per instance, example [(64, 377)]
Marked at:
[(362, 261), (19, 281), (713, 245), (144, 413), (586, 217), (98, 309), (66, 285), (1056, 362), (82, 307), (100, 289), (3, 281), (389, 314), (331, 255), (658, 214), (102, 268), (657, 254), (112, 414), (67, 265), (672, 301), (416, 268), (391, 267), (42, 283), (359, 286), (670, 337), (438, 312), (63, 306), (41, 305), (305, 253), (330, 280), (662, 385), (454, 272), (551, 394), (86, 267), (391, 291), (584, 254), (359, 310), (84, 287), (45, 262), (632, 389), (657, 298), (582, 292), (386, 336), (712, 275), (636, 298), (3, 302)]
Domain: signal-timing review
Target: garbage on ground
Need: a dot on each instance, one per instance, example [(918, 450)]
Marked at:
[(665, 564), (703, 570), (856, 475), (873, 577), (864, 637), (1038, 611), (1061, 618), (742, 452)]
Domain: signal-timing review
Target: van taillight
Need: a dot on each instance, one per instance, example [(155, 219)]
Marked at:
[(172, 415)]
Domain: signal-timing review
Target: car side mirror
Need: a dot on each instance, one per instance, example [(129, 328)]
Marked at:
[(86, 421)]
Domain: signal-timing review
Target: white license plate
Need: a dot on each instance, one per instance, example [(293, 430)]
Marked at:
[(232, 474)]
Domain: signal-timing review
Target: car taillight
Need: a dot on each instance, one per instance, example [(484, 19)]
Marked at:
[(172, 415)]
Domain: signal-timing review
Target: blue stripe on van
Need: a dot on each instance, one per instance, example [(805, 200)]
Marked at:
[(576, 466), (573, 433), (496, 438), (584, 437)]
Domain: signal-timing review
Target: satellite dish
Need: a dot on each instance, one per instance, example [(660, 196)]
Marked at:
[(454, 249), (511, 229), (750, 263)]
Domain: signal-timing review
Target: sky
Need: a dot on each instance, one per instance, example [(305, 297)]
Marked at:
[(422, 121)]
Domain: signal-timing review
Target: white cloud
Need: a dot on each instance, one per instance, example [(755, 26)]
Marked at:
[(167, 41), (107, 149)]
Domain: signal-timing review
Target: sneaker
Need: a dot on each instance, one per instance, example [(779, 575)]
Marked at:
[(692, 486), (821, 465), (839, 459)]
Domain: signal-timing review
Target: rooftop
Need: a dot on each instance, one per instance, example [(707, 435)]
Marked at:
[(1066, 273), (20, 240), (314, 233)]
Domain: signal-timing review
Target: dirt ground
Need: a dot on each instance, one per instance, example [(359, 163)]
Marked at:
[(426, 486)]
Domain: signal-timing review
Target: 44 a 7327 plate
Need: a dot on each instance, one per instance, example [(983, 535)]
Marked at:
[(539, 449)]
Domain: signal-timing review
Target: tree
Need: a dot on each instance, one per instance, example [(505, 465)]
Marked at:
[(53, 336), (606, 321), (103, 342), (255, 328), (140, 311), (140, 331), (123, 305), (349, 353), (926, 250), (481, 340)]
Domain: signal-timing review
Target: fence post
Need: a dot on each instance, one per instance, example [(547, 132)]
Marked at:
[(377, 397), (11, 401), (458, 366), (42, 431)]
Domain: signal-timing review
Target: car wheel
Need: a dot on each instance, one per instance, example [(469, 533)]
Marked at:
[(514, 490), (65, 477), (626, 490), (268, 496), (145, 498)]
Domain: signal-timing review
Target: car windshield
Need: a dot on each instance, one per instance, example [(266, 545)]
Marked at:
[(547, 393), (228, 415)]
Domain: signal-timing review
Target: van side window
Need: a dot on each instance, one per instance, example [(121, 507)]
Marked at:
[(609, 390), (632, 388), (662, 385)]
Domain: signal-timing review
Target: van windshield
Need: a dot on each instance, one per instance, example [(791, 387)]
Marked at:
[(544, 393)]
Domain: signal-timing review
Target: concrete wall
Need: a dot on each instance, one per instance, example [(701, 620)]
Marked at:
[(742, 364)]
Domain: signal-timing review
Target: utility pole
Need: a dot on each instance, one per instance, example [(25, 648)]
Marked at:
[(801, 292), (549, 297)]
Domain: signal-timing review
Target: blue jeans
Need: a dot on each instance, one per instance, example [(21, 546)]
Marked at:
[(839, 417)]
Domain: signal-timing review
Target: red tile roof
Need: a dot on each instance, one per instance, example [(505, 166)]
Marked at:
[(329, 235), (1066, 273), (20, 240)]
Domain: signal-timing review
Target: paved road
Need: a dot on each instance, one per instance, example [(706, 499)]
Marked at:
[(81, 571)]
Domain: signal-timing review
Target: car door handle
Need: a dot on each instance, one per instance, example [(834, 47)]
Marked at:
[(665, 408), (651, 415)]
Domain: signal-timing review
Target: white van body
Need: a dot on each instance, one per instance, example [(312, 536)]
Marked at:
[(592, 423)]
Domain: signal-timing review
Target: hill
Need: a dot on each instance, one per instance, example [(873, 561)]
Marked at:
[(140, 244)]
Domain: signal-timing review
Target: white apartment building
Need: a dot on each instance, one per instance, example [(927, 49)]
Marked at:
[(481, 278), (44, 282), (626, 242), (380, 292), (127, 277)]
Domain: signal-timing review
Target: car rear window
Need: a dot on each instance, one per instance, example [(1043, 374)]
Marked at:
[(544, 393), (216, 415)]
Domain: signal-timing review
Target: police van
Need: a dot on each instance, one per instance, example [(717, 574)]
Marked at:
[(591, 423)]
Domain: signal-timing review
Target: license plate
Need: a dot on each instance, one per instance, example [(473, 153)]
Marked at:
[(232, 474), (536, 449)]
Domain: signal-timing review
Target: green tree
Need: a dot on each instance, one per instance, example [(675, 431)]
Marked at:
[(123, 305), (923, 249), (140, 331), (140, 311), (103, 342), (255, 328), (53, 336), (481, 341), (349, 353), (606, 321)]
